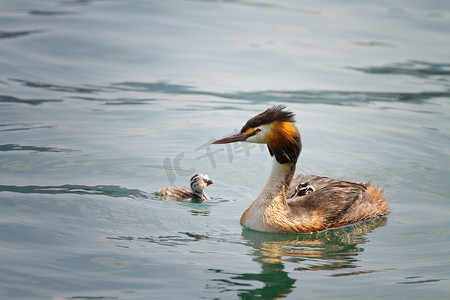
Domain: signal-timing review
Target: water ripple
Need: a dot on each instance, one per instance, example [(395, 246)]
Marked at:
[(17, 147), (415, 68), (374, 44), (330, 97), (295, 96), (24, 126), (87, 89), (268, 5), (165, 240), (118, 101), (47, 13), (417, 281), (11, 99), (108, 190), (15, 34)]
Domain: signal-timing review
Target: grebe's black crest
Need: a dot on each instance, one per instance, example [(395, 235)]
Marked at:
[(275, 113)]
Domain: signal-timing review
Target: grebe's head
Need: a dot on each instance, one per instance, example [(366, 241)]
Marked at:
[(199, 182), (274, 127)]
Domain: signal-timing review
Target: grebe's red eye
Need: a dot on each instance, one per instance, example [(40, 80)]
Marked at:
[(257, 130)]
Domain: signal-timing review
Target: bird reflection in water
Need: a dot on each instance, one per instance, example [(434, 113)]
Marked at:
[(331, 250)]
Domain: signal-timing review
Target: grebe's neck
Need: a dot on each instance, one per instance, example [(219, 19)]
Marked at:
[(271, 202), (277, 184)]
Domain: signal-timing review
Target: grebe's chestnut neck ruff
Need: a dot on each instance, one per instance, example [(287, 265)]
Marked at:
[(322, 203), (198, 183)]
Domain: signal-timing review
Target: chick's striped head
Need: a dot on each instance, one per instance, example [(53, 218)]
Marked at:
[(199, 182)]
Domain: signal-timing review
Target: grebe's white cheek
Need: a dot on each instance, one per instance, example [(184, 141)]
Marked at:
[(254, 139), (259, 138)]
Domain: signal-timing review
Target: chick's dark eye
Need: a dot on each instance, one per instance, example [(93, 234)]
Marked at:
[(257, 130)]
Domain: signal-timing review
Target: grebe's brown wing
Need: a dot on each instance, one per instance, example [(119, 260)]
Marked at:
[(175, 192), (337, 203)]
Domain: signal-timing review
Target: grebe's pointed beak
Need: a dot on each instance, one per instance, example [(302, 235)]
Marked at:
[(238, 137), (208, 182)]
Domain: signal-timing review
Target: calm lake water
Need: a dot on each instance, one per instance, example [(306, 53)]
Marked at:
[(104, 102)]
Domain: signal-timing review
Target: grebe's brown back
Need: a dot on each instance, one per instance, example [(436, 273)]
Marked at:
[(199, 182), (324, 203)]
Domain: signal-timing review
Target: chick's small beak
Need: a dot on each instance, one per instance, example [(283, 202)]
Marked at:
[(208, 182), (238, 137)]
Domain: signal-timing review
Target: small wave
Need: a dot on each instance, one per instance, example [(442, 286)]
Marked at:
[(334, 97), (300, 96), (11, 99), (17, 147), (164, 240), (415, 281), (374, 44), (118, 101), (86, 89), (108, 190), (48, 13), (24, 126), (415, 68), (15, 34)]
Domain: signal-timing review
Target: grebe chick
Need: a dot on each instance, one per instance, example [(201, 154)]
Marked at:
[(199, 182), (329, 203), (303, 188)]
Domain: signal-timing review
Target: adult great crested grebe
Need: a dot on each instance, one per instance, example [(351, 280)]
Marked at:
[(326, 204), (199, 182)]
